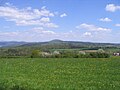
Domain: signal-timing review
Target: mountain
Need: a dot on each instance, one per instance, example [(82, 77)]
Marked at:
[(56, 44), (11, 43), (56, 41), (59, 44)]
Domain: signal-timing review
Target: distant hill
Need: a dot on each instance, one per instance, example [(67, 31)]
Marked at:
[(56, 44), (59, 44), (56, 41), (11, 43)]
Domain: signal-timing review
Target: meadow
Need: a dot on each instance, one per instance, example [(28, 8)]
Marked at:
[(60, 73)]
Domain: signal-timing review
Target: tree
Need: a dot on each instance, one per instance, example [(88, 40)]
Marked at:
[(35, 54)]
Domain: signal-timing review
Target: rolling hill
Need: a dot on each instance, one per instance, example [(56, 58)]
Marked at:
[(11, 43), (56, 44), (59, 44)]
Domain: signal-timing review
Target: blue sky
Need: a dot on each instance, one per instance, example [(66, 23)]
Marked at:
[(71, 20)]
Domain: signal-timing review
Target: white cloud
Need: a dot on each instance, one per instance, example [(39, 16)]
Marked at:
[(91, 27), (63, 15), (44, 19), (87, 34), (40, 30), (35, 23), (50, 25), (9, 34), (8, 4), (105, 19), (29, 8), (118, 25), (35, 34), (27, 16), (112, 8), (39, 34)]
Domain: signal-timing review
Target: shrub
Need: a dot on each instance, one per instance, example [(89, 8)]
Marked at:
[(35, 54), (99, 55)]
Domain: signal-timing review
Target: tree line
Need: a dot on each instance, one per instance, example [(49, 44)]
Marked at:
[(38, 53)]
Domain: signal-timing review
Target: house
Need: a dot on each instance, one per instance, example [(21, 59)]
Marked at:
[(116, 54), (46, 54), (81, 52), (56, 52)]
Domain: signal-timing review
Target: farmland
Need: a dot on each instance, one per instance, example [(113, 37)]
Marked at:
[(60, 73)]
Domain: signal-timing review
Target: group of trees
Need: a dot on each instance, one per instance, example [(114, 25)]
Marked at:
[(37, 53), (14, 52), (69, 54)]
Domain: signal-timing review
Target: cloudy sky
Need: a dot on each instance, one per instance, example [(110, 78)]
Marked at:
[(71, 20)]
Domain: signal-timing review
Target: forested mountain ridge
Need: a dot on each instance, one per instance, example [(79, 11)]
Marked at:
[(59, 44), (25, 49), (56, 44), (11, 43)]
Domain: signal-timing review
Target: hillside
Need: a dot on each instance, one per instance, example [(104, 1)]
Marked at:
[(11, 43), (59, 44), (24, 49)]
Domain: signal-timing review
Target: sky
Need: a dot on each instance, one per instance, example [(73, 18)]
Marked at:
[(68, 20)]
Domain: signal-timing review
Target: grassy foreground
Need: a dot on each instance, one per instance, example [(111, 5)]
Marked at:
[(60, 74)]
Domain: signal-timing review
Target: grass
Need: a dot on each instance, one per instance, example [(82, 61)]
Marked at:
[(60, 74)]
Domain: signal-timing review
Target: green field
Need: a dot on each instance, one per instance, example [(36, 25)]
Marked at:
[(60, 74)]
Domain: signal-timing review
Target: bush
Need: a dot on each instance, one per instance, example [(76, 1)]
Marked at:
[(35, 54), (69, 54), (99, 55)]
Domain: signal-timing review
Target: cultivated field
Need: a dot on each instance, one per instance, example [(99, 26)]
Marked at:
[(60, 74)]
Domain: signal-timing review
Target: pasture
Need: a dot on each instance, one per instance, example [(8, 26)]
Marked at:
[(60, 73)]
